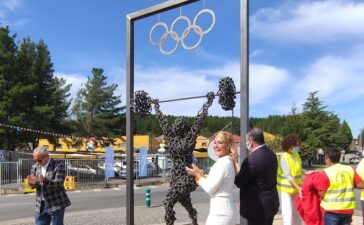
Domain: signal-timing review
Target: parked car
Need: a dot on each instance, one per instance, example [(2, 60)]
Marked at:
[(354, 160), (86, 169), (151, 171), (117, 167)]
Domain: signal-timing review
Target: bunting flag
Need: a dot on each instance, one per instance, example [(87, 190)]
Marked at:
[(22, 129)]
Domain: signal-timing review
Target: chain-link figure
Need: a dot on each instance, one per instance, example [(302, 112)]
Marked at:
[(181, 141)]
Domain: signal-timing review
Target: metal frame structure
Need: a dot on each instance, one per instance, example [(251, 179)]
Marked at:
[(244, 84), (244, 81)]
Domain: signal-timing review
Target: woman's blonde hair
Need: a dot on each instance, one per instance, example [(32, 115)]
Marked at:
[(228, 138)]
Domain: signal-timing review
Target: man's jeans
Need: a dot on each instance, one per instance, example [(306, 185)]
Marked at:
[(43, 218), (337, 219)]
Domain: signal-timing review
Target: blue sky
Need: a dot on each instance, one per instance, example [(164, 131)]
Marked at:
[(296, 47)]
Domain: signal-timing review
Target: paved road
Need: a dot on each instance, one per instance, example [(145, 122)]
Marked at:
[(20, 206), (107, 206)]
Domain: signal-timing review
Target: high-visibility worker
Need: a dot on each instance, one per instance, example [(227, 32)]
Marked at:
[(360, 171), (289, 179), (337, 189)]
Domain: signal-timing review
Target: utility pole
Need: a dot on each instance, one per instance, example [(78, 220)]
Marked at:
[(361, 140)]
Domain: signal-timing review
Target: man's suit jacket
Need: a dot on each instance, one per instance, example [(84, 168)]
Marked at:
[(257, 180), (54, 194)]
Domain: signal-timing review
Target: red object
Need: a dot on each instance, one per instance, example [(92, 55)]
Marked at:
[(309, 206)]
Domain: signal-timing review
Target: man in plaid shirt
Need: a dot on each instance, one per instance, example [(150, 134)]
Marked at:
[(47, 176)]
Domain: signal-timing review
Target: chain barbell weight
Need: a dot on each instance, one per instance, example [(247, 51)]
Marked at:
[(142, 104), (227, 93)]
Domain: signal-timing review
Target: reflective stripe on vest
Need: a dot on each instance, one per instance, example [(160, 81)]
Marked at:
[(283, 185), (340, 194)]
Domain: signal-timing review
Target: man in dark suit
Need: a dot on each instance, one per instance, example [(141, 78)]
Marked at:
[(257, 180), (47, 176)]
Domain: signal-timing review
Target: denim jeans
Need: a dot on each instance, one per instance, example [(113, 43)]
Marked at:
[(44, 218), (337, 219)]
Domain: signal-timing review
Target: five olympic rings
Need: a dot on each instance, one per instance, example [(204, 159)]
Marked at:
[(170, 32)]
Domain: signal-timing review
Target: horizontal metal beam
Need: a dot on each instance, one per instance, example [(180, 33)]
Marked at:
[(187, 98), (158, 9)]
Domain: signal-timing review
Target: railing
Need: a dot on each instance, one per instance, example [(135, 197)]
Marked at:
[(9, 175), (12, 174)]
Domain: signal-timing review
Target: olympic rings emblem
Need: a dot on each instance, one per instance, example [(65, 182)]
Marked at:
[(169, 31)]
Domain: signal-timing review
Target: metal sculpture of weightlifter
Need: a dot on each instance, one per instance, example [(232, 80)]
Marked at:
[(181, 139)]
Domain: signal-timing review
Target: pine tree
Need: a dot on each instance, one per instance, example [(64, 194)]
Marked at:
[(320, 127), (345, 135), (96, 109), (32, 97), (8, 50)]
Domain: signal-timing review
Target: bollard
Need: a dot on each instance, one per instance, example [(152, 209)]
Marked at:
[(147, 197)]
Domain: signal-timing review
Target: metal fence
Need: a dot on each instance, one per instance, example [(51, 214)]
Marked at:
[(12, 174), (9, 175)]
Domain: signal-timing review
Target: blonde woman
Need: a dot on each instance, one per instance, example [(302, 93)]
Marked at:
[(220, 181)]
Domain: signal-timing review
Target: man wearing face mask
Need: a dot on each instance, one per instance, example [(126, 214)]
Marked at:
[(257, 180), (289, 179), (47, 176)]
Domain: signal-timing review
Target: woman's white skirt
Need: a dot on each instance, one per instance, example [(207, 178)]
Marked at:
[(223, 211)]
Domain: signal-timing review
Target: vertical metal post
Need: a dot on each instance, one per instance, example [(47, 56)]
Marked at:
[(1, 181), (244, 81), (18, 181), (361, 140), (232, 121), (129, 121)]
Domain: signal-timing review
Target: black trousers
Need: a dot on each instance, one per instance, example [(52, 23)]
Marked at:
[(262, 221)]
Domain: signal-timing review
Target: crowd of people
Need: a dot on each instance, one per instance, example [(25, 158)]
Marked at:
[(319, 197)]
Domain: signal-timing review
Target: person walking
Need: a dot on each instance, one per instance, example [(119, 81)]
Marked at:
[(47, 176), (289, 179), (257, 180), (337, 189), (220, 181)]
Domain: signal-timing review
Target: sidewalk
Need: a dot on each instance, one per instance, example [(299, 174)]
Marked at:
[(143, 216)]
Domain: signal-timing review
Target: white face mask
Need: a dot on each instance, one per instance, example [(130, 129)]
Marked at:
[(296, 148), (249, 146)]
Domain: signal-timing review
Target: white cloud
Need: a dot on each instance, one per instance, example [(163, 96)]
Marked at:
[(174, 82), (177, 82), (266, 82), (2, 13), (207, 55), (339, 79), (255, 53), (311, 22), (11, 4), (8, 5)]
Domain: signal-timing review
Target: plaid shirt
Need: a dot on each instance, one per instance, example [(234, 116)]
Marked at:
[(54, 194)]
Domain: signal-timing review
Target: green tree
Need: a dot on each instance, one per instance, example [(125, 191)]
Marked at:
[(345, 135), (293, 123), (33, 97), (8, 50), (96, 108), (309, 147), (275, 144), (320, 127)]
